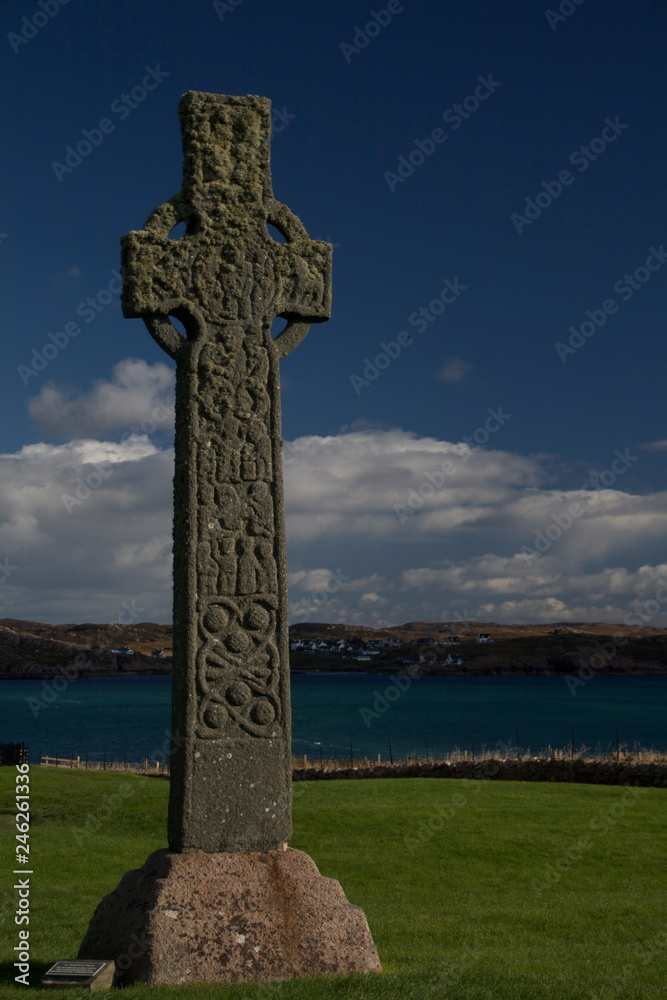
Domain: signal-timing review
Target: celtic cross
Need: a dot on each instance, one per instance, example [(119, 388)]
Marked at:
[(225, 280)]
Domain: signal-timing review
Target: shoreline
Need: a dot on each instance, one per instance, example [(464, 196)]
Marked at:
[(495, 672), (64, 673), (67, 673)]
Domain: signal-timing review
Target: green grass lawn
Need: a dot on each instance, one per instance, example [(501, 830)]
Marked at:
[(477, 890)]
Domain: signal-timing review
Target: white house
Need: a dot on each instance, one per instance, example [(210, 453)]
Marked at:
[(484, 637)]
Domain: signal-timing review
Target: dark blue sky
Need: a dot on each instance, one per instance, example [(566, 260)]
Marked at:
[(345, 121)]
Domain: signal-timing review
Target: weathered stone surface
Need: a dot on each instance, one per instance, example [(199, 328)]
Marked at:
[(259, 911), (226, 279), (229, 918)]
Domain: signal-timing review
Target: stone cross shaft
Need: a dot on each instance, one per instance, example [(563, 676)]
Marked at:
[(226, 279)]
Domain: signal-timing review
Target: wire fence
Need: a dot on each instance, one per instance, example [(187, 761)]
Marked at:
[(321, 755)]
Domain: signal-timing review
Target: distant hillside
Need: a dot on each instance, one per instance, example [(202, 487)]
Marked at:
[(554, 649), (34, 650), (468, 630), (141, 636)]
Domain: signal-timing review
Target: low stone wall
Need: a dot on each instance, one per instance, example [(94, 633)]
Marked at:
[(591, 772)]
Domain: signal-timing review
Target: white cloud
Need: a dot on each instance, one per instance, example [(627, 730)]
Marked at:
[(137, 394), (609, 594), (462, 546), (472, 532), (114, 545), (373, 598), (312, 580), (350, 484)]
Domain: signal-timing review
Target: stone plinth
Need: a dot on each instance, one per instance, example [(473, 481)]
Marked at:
[(237, 917)]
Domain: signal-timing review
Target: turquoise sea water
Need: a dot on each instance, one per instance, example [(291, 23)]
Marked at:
[(131, 715)]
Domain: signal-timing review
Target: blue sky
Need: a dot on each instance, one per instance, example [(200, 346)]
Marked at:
[(530, 142)]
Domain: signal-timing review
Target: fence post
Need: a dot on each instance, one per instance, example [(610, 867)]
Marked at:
[(351, 756), (391, 756)]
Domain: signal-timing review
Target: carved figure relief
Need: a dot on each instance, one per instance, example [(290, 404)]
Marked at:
[(226, 280)]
